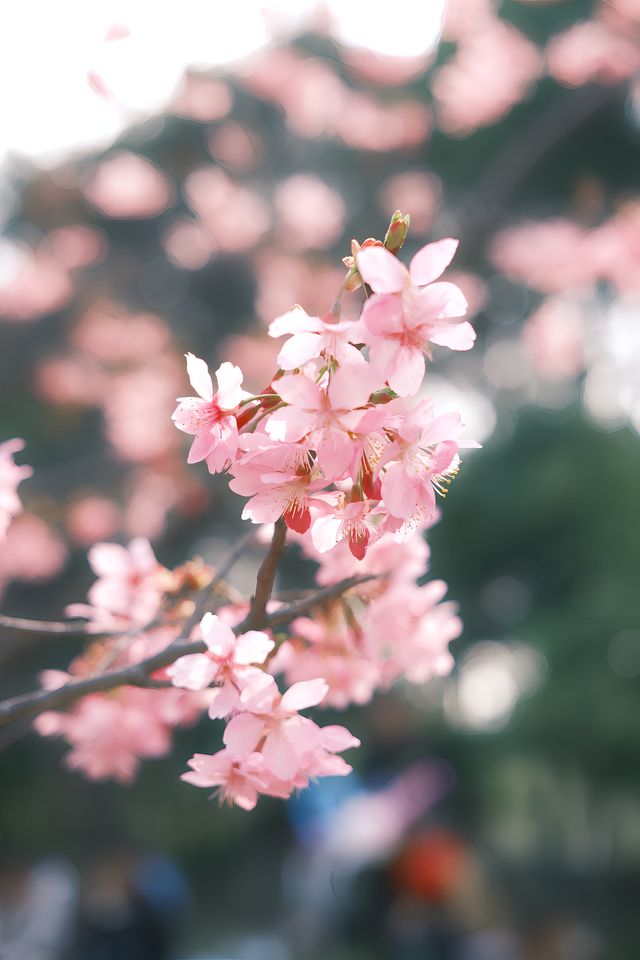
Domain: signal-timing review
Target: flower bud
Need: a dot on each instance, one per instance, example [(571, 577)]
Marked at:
[(397, 232)]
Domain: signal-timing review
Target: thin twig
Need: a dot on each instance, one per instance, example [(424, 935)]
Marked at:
[(63, 628), (283, 616), (205, 595)]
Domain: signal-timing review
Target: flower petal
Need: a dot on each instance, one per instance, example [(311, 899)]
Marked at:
[(199, 377), (431, 261), (382, 271), (242, 734), (306, 693)]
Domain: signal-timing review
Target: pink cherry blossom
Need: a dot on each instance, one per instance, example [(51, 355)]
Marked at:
[(227, 661), (313, 337), (237, 780), (211, 418), (324, 415), (352, 522), (408, 311), (272, 720), (282, 481), (11, 476), (419, 462)]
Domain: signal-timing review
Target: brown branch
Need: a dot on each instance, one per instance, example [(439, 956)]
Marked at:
[(63, 628), (297, 608), (264, 580), (29, 705), (137, 675)]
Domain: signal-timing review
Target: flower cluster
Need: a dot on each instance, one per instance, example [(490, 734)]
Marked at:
[(343, 453), (111, 732), (340, 447)]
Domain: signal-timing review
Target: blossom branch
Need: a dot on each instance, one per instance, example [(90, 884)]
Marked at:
[(29, 705)]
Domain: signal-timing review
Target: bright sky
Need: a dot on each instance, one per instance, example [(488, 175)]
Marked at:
[(48, 49)]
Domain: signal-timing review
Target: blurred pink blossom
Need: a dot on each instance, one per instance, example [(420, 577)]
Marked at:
[(203, 98), (236, 147), (493, 68), (367, 124), (310, 213), (465, 17), (33, 283), (77, 245), (73, 380), (236, 216), (111, 332), (137, 410), (11, 476), (591, 51), (189, 244), (549, 255), (554, 335), (92, 518), (284, 279), (32, 551), (126, 185), (317, 103), (383, 70), (415, 190)]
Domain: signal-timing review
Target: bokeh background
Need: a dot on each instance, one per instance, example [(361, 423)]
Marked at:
[(172, 179)]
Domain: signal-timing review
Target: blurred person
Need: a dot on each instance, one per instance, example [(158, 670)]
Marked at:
[(117, 921), (37, 910)]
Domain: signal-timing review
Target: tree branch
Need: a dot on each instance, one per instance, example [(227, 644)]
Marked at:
[(297, 608), (29, 705), (264, 580), (63, 628)]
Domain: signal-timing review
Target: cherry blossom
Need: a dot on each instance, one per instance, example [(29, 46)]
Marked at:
[(211, 418), (313, 337), (226, 661), (408, 311)]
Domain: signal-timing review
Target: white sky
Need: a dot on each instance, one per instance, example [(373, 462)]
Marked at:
[(48, 110)]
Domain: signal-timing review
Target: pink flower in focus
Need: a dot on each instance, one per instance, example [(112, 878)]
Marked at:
[(327, 646), (326, 416), (282, 481), (351, 522), (211, 418), (421, 459), (272, 720), (227, 661), (11, 476), (408, 311), (312, 337), (293, 747)]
